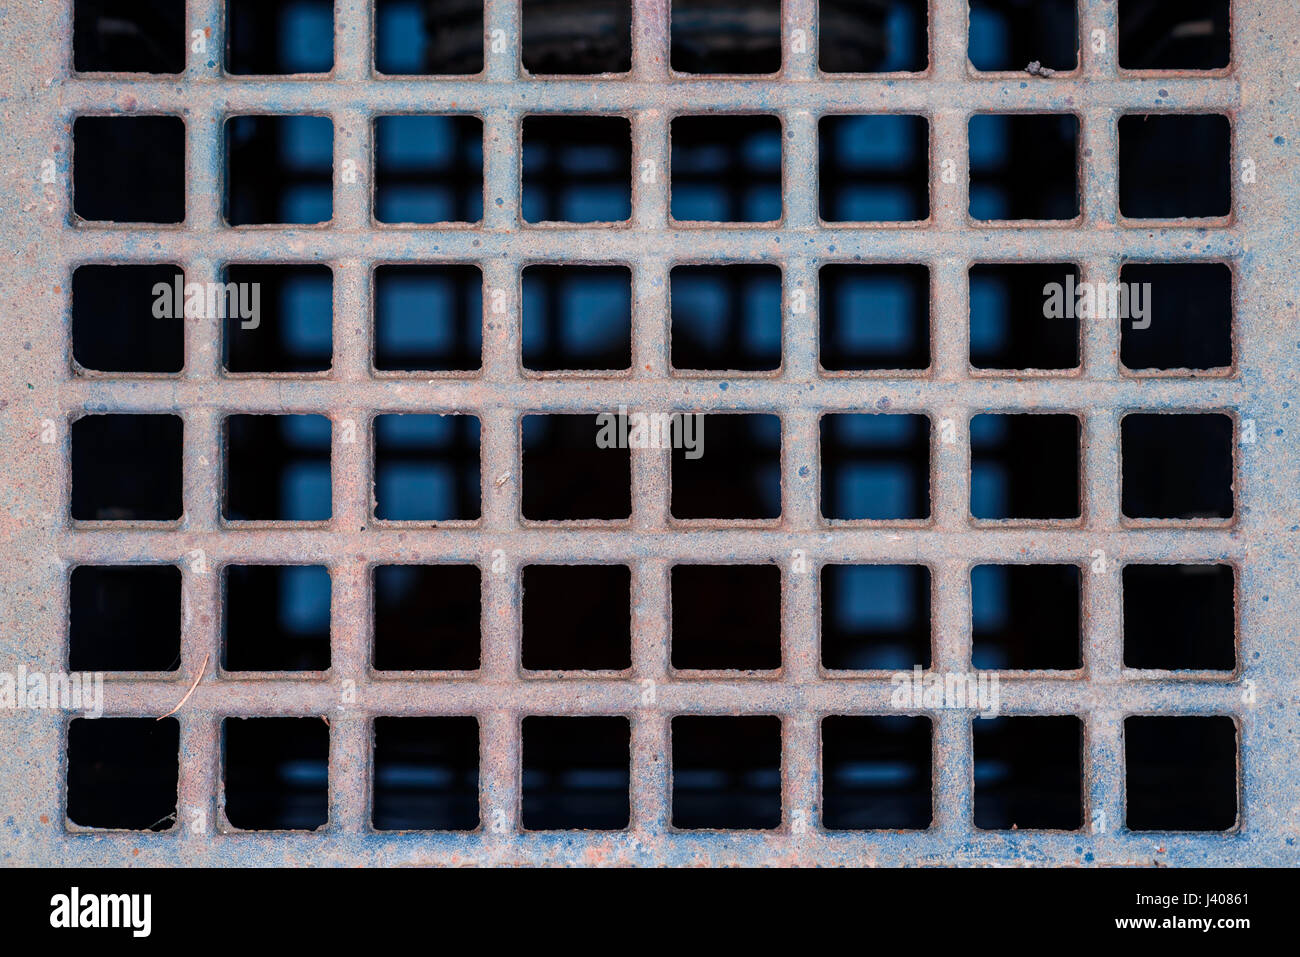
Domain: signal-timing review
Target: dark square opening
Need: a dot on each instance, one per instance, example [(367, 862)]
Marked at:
[(427, 468), (123, 773), (128, 36), (726, 317), (875, 467), (1024, 466), (577, 318), (277, 468), (595, 37), (1180, 617), (874, 317), (576, 773), (1176, 466), (1187, 320), (577, 617), (874, 168), (279, 36), (717, 36), (733, 472), (1023, 166), (428, 169), (279, 318), (876, 773), (1180, 773), (1174, 166), (875, 617), (124, 318), (884, 36), (726, 772), (1028, 773), (726, 169), (577, 169), (726, 617), (1011, 34), (128, 169), (1024, 316), (427, 617), (126, 468), (276, 773), (428, 318), (1026, 617), (124, 618), (279, 169), (426, 774), (429, 37), (1174, 34), (277, 618), (569, 475)]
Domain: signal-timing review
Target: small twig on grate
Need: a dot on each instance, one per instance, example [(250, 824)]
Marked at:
[(197, 678)]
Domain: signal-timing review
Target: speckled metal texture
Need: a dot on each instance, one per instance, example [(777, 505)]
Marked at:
[(39, 98)]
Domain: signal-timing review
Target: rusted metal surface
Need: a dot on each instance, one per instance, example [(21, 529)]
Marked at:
[(39, 97)]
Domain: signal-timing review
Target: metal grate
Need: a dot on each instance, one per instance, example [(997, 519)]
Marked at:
[(43, 397)]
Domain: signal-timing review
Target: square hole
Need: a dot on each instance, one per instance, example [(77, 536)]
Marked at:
[(126, 468), (887, 36), (1174, 166), (429, 37), (1176, 466), (726, 772), (123, 773), (427, 617), (874, 317), (1178, 35), (1187, 316), (1023, 166), (576, 773), (577, 318), (577, 617), (726, 617), (428, 169), (428, 318), (876, 773), (1026, 617), (279, 169), (726, 169), (1028, 773), (124, 318), (1180, 617), (128, 36), (1180, 773), (427, 468), (277, 618), (1024, 316), (726, 318), (1024, 466), (279, 36), (568, 475), (577, 169), (736, 475), (277, 468), (1011, 34), (875, 617), (708, 37), (875, 467), (124, 618), (873, 168), (426, 774), (595, 38), (128, 169), (276, 773), (295, 330)]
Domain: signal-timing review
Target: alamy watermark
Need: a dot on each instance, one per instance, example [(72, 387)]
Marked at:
[(80, 691), (968, 691), (1098, 300), (651, 430), (209, 300)]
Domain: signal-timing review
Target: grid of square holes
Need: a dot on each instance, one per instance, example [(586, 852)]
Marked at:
[(965, 474)]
